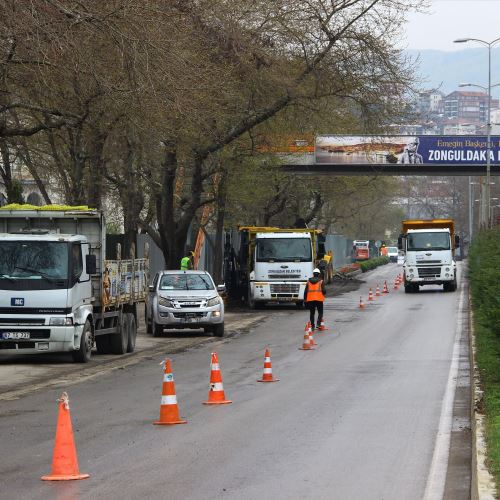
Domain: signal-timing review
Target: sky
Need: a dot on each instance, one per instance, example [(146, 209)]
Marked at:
[(448, 20)]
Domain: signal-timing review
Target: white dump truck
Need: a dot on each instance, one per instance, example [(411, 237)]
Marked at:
[(429, 247), (58, 293), (273, 264)]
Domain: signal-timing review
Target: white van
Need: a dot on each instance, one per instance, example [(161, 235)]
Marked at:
[(392, 253)]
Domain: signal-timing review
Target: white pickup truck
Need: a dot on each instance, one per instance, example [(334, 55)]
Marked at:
[(58, 293)]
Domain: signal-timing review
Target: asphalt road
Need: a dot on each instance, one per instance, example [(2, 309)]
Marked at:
[(378, 411)]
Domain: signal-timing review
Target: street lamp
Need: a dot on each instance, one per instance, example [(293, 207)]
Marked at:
[(485, 209)]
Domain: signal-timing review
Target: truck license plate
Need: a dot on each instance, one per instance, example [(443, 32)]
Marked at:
[(16, 335), (428, 279)]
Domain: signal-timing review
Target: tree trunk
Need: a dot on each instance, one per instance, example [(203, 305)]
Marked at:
[(219, 229)]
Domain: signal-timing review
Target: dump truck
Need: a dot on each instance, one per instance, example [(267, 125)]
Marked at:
[(272, 265), (429, 247), (58, 291)]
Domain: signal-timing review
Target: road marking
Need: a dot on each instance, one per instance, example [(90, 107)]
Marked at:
[(434, 489)]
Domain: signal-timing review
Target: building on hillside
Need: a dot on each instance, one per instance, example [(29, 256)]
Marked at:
[(460, 126), (472, 106), (430, 102)]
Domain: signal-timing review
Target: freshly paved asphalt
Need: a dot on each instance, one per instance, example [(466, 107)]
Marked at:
[(358, 418)]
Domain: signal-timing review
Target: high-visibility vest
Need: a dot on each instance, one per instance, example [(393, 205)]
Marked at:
[(185, 261), (314, 292)]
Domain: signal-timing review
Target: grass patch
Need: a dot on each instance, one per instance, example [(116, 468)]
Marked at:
[(484, 274)]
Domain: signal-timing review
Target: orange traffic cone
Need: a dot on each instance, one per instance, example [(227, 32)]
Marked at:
[(312, 342), (267, 376), (216, 394), (322, 326), (306, 344), (385, 290), (370, 295), (64, 460), (169, 412), (361, 304), (396, 283), (377, 292)]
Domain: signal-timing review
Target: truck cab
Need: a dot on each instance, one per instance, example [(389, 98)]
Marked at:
[(46, 290)]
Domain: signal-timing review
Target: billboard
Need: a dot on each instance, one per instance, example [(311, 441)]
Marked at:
[(406, 150)]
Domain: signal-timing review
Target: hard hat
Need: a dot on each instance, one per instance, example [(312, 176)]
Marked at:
[(316, 271)]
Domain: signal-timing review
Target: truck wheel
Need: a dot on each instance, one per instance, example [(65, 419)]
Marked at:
[(299, 304), (83, 354), (102, 344), (157, 329), (119, 341), (132, 332), (408, 289), (218, 330)]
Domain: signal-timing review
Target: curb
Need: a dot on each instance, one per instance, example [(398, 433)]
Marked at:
[(91, 370), (482, 482)]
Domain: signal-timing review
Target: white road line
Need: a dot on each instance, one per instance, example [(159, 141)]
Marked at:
[(434, 489)]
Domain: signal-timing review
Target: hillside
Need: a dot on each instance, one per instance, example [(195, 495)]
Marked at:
[(447, 69)]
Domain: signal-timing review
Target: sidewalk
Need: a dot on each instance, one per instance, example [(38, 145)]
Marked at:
[(20, 375)]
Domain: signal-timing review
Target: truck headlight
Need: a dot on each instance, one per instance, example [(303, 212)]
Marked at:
[(213, 302), (447, 269), (162, 301), (61, 321)]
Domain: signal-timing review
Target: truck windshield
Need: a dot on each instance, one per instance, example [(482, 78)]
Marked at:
[(428, 241), (33, 260), (284, 250)]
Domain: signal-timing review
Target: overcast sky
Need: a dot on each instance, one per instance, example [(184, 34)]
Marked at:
[(448, 20)]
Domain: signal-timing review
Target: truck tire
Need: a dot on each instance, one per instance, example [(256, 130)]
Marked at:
[(157, 329), (218, 330), (299, 304), (102, 344), (119, 341), (149, 326), (132, 332), (84, 354)]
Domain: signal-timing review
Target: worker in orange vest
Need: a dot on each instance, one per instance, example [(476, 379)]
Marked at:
[(314, 296)]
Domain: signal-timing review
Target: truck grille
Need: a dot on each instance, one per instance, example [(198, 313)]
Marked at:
[(287, 288), (181, 315), (429, 272), (22, 321)]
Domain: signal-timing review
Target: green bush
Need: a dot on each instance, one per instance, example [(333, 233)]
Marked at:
[(370, 264), (484, 278), (484, 257)]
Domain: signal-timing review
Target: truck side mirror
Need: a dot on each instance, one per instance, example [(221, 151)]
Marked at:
[(90, 264), (221, 288), (400, 243), (457, 241)]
